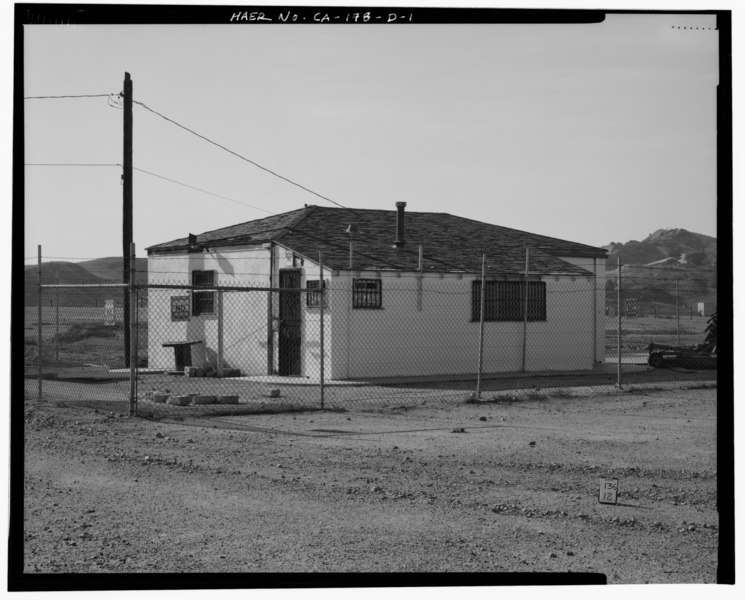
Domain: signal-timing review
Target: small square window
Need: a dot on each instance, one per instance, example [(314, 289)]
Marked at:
[(313, 297), (202, 302), (367, 293)]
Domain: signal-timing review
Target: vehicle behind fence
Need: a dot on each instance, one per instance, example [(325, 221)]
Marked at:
[(366, 341)]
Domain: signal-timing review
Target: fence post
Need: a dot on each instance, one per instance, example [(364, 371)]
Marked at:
[(220, 338), (132, 333), (321, 300), (56, 324), (677, 311), (270, 315), (39, 318), (481, 326), (419, 282), (525, 309), (594, 311), (618, 296)]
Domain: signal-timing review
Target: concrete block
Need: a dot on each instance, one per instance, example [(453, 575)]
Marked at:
[(179, 400), (227, 399), (204, 400)]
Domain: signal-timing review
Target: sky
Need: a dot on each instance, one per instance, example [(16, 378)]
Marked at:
[(593, 133)]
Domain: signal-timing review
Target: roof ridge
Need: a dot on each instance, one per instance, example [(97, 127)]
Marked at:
[(303, 214), (522, 231), (272, 216)]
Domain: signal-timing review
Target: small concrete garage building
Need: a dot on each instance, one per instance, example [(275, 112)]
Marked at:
[(403, 296)]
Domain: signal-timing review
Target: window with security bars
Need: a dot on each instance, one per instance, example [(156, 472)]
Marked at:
[(505, 301), (202, 303), (313, 297), (367, 293)]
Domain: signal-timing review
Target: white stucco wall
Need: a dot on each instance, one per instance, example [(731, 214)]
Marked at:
[(399, 340), (310, 354), (597, 266), (395, 340), (245, 314)]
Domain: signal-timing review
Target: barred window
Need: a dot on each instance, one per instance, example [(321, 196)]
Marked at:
[(202, 302), (505, 301), (313, 297), (367, 293)]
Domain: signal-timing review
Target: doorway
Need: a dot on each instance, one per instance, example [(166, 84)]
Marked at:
[(289, 322)]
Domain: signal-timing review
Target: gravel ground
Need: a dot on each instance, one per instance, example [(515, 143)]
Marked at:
[(441, 486)]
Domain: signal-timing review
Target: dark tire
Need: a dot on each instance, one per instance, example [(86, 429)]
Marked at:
[(656, 361)]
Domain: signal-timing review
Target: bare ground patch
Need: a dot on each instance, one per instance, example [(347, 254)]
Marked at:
[(441, 486)]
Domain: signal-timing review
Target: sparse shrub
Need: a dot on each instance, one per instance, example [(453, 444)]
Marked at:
[(702, 386), (504, 399), (561, 394), (82, 331)]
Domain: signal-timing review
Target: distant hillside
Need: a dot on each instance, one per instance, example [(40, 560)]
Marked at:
[(685, 247), (97, 271), (652, 268), (111, 268)]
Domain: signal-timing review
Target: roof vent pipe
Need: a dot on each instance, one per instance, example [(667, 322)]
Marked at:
[(400, 241)]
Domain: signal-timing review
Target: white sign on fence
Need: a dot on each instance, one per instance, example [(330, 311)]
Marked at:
[(608, 491), (108, 313)]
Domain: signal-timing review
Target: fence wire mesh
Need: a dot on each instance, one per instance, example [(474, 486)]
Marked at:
[(352, 340)]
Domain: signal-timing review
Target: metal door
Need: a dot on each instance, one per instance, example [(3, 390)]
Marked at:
[(289, 322)]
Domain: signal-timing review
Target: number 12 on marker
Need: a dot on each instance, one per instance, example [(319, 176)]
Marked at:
[(608, 491)]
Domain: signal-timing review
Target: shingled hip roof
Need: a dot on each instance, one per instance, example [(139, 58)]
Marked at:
[(450, 243)]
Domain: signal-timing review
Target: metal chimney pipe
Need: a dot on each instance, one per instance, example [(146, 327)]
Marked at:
[(400, 241)]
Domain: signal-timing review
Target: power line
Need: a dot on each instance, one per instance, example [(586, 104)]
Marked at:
[(248, 160), (201, 190), (238, 155), (154, 175)]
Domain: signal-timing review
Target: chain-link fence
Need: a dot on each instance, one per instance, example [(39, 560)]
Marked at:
[(352, 339)]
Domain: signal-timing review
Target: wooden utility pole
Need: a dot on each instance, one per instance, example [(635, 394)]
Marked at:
[(677, 311), (39, 320), (526, 305), (127, 208), (131, 295), (620, 323)]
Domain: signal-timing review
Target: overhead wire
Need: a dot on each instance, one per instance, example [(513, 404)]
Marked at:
[(153, 175), (111, 99), (143, 105), (202, 190), (248, 160)]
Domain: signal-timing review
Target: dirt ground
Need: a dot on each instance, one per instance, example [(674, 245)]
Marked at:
[(439, 486)]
